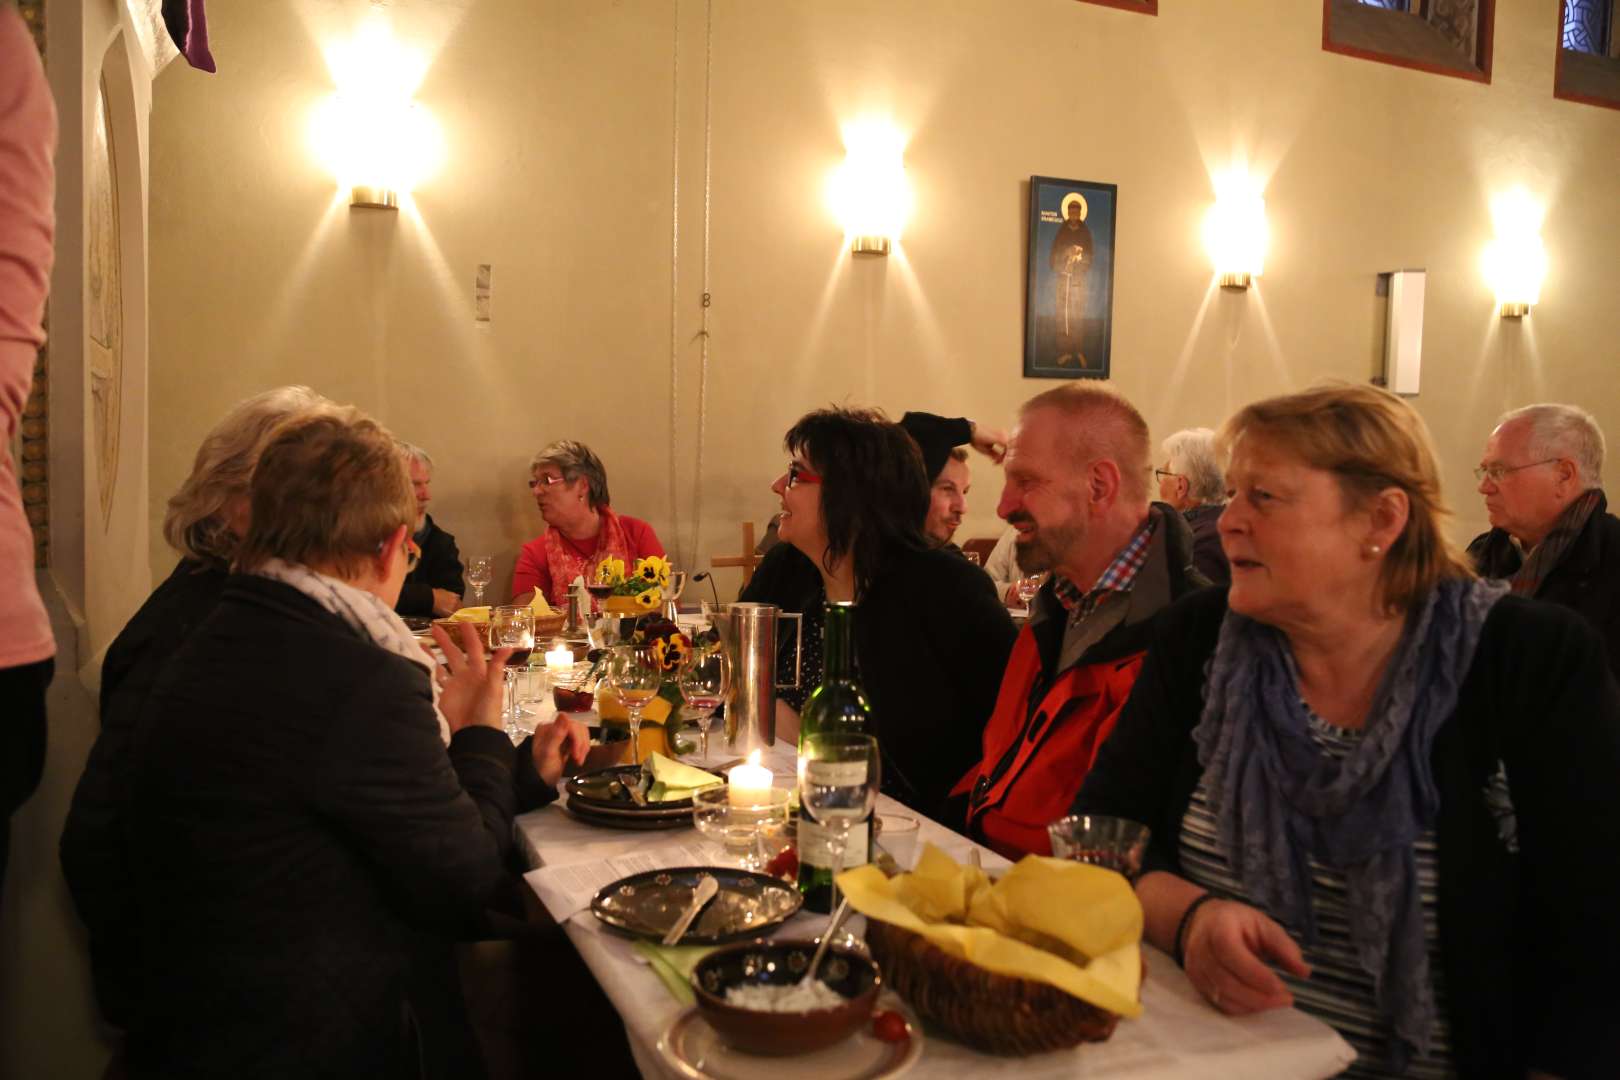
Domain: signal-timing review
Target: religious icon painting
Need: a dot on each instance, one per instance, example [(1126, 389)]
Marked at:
[(1069, 298)]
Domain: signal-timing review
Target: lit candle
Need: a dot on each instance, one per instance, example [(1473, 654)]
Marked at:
[(560, 659), (749, 784)]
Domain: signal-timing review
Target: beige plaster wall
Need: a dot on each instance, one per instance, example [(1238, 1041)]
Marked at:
[(565, 139)]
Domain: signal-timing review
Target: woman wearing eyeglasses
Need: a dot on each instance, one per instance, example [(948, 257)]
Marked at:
[(570, 486), (1381, 790), (931, 636)]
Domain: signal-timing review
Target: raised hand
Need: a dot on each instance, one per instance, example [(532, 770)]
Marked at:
[(557, 743), (473, 692)]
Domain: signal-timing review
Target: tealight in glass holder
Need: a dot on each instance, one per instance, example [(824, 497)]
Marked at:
[(752, 833)]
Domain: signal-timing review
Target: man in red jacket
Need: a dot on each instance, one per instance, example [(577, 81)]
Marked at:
[(1077, 472)]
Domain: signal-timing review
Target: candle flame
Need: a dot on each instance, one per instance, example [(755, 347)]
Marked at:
[(753, 757)]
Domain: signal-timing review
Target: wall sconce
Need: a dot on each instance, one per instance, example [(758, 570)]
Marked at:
[(869, 193), (376, 141), (1235, 232), (1516, 261)]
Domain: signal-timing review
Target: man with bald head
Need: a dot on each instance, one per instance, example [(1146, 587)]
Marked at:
[(1077, 471), (1552, 535)]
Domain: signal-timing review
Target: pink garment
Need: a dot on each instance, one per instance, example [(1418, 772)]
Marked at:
[(27, 223), (549, 562)]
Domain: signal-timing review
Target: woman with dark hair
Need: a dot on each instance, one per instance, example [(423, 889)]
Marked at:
[(931, 637)]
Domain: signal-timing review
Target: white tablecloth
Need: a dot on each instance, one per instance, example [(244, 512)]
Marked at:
[(1178, 1034)]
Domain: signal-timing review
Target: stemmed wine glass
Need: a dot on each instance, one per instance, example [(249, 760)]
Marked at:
[(705, 683), (634, 673), (838, 787), (1028, 586), (512, 628), (480, 572)]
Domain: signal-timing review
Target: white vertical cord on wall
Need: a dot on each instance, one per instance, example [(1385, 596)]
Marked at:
[(675, 283), (703, 333)]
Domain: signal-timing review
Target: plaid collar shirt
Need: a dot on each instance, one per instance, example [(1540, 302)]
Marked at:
[(1119, 576)]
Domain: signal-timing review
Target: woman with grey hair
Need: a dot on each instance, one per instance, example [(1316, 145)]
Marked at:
[(1191, 481), (206, 520), (570, 487)]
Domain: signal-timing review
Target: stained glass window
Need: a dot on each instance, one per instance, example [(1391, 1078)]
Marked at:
[(1587, 25)]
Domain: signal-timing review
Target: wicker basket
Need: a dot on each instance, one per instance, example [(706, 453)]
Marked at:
[(999, 1014)]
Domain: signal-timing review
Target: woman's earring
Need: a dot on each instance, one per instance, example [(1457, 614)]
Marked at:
[(1373, 551)]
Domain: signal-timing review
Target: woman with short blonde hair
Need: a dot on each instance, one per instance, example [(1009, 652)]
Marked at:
[(1380, 789), (314, 814)]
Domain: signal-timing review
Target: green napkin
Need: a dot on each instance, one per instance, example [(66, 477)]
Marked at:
[(673, 781), (673, 964)]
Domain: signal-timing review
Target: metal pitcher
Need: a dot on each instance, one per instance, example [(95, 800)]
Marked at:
[(748, 633)]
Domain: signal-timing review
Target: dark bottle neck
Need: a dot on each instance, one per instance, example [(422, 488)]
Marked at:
[(838, 641)]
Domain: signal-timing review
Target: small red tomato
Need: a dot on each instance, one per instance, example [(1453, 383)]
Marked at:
[(890, 1026), (785, 865)]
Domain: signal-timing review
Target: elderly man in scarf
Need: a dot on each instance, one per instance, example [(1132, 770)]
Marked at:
[(1552, 537)]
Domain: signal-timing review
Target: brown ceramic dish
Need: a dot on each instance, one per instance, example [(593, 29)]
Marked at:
[(779, 963)]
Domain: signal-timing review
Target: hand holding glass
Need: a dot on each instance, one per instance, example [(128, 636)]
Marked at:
[(634, 673)]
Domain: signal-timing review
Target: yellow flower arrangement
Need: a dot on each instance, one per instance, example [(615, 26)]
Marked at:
[(645, 585)]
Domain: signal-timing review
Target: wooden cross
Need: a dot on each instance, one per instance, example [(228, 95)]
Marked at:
[(747, 560)]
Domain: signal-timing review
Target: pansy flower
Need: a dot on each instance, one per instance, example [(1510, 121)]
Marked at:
[(610, 571), (648, 600)]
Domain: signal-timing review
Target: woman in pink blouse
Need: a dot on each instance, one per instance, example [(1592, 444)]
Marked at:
[(570, 488), (27, 190)]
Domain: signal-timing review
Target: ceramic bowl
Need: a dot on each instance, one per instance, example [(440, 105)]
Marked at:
[(779, 963)]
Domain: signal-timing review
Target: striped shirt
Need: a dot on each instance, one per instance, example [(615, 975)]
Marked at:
[(1338, 992)]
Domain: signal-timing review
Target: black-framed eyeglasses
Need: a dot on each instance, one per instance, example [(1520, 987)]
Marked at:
[(1494, 473), (800, 474), (1160, 474)]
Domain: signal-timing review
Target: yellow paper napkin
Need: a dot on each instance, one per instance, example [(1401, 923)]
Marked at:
[(539, 606), (472, 614), (1066, 924), (673, 781)]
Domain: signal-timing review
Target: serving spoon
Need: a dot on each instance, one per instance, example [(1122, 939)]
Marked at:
[(707, 888), (826, 939)]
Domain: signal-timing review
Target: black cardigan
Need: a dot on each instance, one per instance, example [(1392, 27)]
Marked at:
[(440, 568), (1529, 941), (1586, 580), (931, 644)]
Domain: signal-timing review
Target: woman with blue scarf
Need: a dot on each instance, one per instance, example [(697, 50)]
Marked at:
[(1380, 789)]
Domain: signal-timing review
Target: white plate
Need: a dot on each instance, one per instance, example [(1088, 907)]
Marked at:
[(694, 1050)]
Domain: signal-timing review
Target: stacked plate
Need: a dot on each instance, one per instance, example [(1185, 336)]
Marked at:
[(603, 798)]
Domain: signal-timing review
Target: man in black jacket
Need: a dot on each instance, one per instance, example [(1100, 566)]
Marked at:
[(436, 586), (1552, 537)]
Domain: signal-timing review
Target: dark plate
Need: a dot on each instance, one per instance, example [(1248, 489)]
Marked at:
[(588, 791), (633, 821), (647, 904), (417, 624)]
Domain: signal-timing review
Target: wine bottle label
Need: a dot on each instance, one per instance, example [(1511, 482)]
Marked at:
[(814, 850), (835, 773)]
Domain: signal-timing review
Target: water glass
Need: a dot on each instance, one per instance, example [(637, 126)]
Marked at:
[(751, 833), (513, 628), (1028, 586), (1111, 842)]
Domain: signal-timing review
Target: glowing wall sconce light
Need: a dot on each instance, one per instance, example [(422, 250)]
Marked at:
[(869, 193), (1516, 262), (376, 141), (1235, 232)]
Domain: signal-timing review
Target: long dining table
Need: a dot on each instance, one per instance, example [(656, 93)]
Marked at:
[(1178, 1034)]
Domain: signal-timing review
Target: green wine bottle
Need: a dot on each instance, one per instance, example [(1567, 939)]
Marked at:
[(836, 706)]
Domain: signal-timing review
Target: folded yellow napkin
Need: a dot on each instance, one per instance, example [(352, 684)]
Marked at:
[(673, 965), (673, 781), (472, 614), (1067, 924), (539, 606)]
